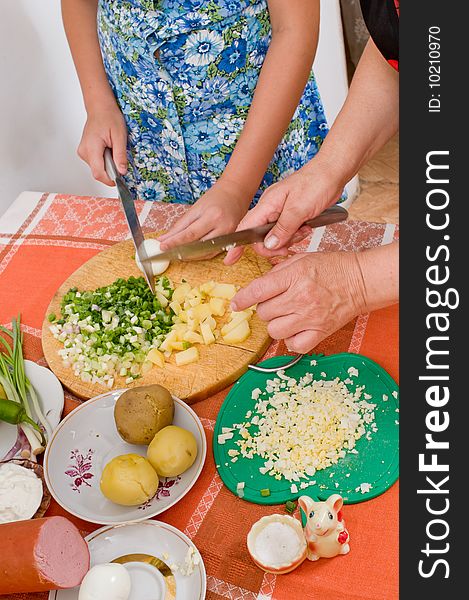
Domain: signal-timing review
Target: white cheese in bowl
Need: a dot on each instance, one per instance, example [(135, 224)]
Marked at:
[(20, 493)]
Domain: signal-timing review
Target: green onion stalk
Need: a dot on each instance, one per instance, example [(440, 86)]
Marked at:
[(18, 388)]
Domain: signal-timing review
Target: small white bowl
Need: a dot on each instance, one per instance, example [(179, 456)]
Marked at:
[(277, 544)]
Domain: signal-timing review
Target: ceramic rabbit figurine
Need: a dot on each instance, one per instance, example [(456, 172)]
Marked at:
[(325, 530)]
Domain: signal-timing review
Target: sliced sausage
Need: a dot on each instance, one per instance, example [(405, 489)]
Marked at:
[(40, 555)]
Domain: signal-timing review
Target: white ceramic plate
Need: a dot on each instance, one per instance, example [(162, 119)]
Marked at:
[(51, 396), (150, 537), (86, 440)]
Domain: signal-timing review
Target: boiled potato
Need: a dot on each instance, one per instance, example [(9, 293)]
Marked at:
[(217, 306), (142, 411), (181, 292), (223, 290), (237, 335), (193, 337), (155, 357), (187, 356), (236, 319), (207, 333), (172, 451), (129, 480)]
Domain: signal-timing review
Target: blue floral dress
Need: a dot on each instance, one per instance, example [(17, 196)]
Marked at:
[(184, 74)]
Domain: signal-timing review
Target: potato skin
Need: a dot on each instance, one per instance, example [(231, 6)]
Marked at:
[(129, 480), (172, 451), (141, 412)]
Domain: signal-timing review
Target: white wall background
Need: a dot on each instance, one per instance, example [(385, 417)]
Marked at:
[(41, 110)]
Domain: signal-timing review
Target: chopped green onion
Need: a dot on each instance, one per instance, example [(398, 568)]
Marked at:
[(109, 331), (290, 506), (265, 492)]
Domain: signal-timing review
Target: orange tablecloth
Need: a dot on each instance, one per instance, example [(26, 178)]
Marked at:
[(45, 237)]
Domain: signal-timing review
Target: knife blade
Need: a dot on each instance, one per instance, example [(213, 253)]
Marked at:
[(131, 215), (204, 248)]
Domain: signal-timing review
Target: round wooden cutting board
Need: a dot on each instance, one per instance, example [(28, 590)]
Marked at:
[(219, 365)]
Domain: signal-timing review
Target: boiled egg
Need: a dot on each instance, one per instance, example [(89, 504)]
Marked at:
[(152, 247), (108, 581)]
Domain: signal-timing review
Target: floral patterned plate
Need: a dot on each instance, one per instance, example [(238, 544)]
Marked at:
[(86, 440), (154, 554)]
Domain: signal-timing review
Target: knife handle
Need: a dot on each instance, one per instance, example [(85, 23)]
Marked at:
[(110, 165), (334, 214)]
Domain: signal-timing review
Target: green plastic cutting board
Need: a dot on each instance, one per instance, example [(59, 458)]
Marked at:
[(377, 461)]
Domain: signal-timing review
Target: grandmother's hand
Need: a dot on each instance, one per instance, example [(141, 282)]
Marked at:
[(308, 297), (291, 202)]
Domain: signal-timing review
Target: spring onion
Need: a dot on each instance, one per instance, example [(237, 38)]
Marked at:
[(109, 331), (16, 409), (290, 506), (265, 492)]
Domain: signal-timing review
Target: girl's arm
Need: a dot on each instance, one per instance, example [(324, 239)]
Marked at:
[(105, 125), (286, 68)]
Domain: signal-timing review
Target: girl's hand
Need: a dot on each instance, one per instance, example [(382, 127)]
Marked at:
[(217, 212), (104, 128), (291, 202)]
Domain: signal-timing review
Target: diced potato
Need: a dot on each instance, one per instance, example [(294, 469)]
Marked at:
[(195, 301), (207, 287), (202, 311), (187, 356), (162, 299), (236, 319), (217, 306), (156, 357), (193, 337), (179, 345), (223, 290), (171, 337), (211, 322), (207, 333), (181, 292), (176, 307), (238, 334), (179, 329), (182, 316), (192, 324)]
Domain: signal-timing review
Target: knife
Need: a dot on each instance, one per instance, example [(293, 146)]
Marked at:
[(201, 249), (131, 215)]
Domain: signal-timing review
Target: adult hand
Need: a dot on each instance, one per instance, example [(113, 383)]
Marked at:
[(217, 212), (104, 128), (291, 202), (307, 297)]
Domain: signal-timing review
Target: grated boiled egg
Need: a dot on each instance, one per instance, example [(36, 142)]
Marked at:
[(305, 427)]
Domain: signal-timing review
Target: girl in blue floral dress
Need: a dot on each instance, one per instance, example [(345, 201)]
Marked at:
[(203, 102)]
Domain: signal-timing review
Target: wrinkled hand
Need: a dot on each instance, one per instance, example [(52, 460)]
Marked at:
[(307, 297), (104, 128), (291, 202), (217, 212)]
